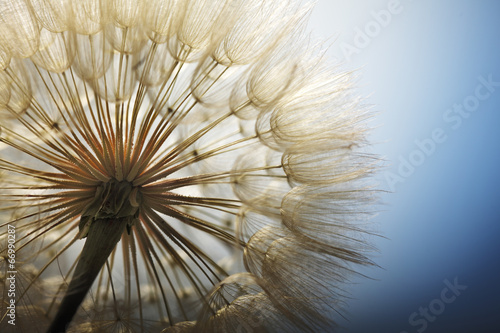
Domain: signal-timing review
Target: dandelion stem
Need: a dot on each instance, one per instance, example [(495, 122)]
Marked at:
[(102, 237)]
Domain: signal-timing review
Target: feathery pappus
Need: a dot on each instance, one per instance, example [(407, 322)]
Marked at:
[(176, 166)]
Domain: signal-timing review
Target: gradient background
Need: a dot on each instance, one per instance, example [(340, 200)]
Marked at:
[(442, 221)]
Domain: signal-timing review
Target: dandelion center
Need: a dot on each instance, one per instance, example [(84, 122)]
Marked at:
[(113, 200)]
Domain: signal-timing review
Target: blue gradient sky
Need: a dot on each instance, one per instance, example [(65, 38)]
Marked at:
[(442, 220)]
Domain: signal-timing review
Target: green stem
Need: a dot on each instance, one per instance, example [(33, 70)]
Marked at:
[(102, 237)]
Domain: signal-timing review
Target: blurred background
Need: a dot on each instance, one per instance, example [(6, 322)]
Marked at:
[(431, 72)]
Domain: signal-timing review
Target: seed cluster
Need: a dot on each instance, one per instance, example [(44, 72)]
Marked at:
[(185, 165)]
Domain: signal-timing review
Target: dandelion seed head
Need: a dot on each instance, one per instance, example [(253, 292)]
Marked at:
[(178, 165)]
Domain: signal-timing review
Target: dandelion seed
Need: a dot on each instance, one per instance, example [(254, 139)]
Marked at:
[(179, 165)]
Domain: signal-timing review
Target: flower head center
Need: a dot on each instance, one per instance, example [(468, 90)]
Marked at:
[(113, 200)]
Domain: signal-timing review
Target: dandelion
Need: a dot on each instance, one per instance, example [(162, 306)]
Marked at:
[(191, 166)]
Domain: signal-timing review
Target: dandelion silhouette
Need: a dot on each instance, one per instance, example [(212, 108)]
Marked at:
[(192, 166)]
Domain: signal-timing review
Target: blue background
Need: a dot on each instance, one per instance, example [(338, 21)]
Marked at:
[(441, 221)]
